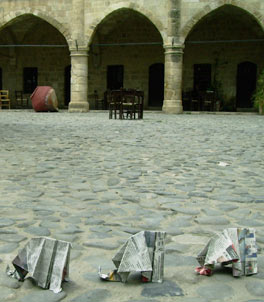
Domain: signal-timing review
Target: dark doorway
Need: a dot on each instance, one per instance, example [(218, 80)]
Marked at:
[(1, 85), (30, 79), (246, 84), (67, 85), (115, 74), (156, 85), (201, 77)]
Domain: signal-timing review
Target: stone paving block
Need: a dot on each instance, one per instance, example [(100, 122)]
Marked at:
[(43, 296), (7, 294), (255, 287), (215, 290), (165, 289), (101, 190), (5, 222), (6, 281), (93, 295)]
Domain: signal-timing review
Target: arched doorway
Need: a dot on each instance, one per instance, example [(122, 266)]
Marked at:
[(156, 85), (123, 47), (35, 53), (220, 41), (246, 84)]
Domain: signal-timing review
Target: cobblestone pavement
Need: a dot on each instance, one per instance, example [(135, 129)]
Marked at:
[(94, 182)]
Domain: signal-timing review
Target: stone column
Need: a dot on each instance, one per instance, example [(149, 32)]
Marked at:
[(173, 79), (173, 60), (79, 81)]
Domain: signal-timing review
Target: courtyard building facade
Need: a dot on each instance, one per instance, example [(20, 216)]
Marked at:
[(170, 49)]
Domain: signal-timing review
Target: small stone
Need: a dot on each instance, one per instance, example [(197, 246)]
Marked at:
[(100, 228), (8, 248), (250, 223), (38, 231), (211, 212), (94, 221), (8, 231), (41, 212), (71, 229), (215, 220), (4, 222), (12, 237), (25, 224), (113, 181), (102, 245), (188, 211)]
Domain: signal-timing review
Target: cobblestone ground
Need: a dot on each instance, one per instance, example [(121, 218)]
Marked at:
[(94, 182)]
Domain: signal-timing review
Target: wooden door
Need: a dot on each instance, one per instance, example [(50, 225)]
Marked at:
[(156, 85), (246, 84)]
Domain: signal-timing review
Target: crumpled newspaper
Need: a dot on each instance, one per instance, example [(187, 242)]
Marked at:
[(142, 252), (46, 260), (236, 246)]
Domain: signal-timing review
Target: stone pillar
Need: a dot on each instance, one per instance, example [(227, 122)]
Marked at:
[(79, 81), (173, 61), (173, 79)]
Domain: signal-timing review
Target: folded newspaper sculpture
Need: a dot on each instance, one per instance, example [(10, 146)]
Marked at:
[(236, 246), (46, 260), (143, 252)]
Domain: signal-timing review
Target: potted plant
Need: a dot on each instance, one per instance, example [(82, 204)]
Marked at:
[(258, 96)]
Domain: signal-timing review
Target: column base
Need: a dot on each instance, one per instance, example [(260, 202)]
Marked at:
[(172, 106), (78, 107)]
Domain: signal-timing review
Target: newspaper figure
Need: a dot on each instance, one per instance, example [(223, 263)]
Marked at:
[(143, 252), (236, 246), (46, 260)]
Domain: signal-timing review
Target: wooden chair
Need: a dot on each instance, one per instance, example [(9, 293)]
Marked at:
[(208, 100), (140, 104), (20, 99), (115, 104), (4, 99), (99, 104), (129, 104)]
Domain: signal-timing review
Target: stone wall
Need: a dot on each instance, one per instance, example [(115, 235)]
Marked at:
[(84, 24), (125, 45), (224, 27)]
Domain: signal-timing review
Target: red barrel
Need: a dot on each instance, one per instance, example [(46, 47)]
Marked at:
[(44, 98)]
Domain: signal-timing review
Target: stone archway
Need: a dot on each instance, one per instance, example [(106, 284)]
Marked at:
[(222, 39), (124, 40), (14, 14), (210, 7), (30, 44)]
